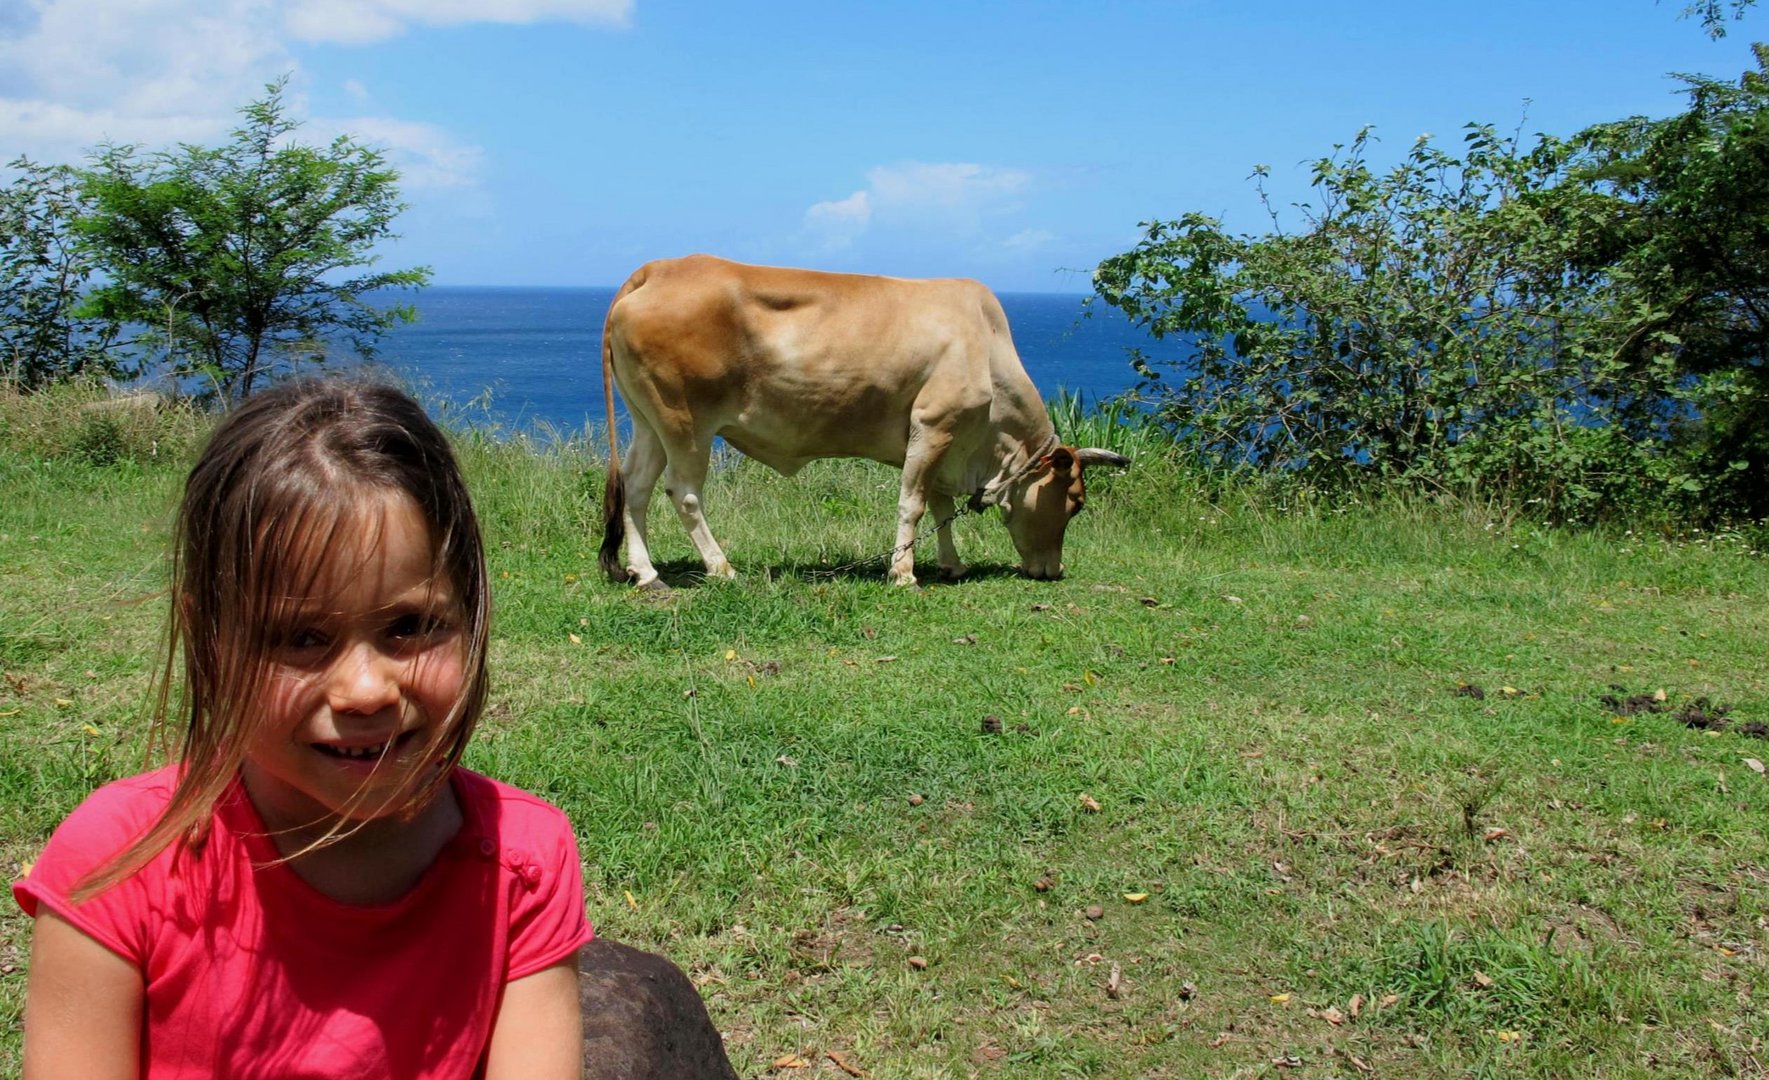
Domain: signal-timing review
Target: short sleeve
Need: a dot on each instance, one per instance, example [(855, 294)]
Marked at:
[(547, 921), (97, 831)]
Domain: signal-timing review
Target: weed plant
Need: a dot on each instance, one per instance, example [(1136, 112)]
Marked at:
[(1372, 786)]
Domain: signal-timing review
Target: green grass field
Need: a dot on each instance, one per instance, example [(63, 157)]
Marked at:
[(1259, 789)]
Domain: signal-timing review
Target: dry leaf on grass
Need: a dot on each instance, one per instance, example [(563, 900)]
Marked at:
[(790, 1061), (842, 1063), (1091, 804)]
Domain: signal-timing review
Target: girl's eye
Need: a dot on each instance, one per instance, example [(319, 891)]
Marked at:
[(306, 637), (415, 625)]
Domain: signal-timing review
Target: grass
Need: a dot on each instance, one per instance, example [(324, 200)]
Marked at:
[(1352, 759)]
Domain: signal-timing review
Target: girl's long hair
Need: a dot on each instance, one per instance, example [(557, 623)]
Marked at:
[(281, 483)]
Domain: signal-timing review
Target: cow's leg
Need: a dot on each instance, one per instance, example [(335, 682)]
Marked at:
[(644, 464), (951, 566), (687, 478), (925, 449)]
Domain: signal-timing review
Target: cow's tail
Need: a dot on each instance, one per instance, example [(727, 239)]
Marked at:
[(614, 492)]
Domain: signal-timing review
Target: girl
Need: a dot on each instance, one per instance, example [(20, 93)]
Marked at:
[(315, 888)]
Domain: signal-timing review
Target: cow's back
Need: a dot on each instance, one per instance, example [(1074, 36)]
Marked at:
[(790, 365)]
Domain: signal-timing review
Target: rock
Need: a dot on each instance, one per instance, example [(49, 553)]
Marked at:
[(643, 1019)]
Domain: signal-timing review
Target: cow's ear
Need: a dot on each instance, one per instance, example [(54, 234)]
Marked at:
[(1061, 460)]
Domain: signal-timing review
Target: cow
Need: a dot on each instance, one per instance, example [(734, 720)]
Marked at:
[(789, 366)]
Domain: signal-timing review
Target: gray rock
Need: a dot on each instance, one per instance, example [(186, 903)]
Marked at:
[(643, 1019)]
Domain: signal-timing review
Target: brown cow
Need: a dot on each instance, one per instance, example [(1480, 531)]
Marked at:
[(793, 365)]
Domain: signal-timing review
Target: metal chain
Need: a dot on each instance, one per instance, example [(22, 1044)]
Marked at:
[(833, 571)]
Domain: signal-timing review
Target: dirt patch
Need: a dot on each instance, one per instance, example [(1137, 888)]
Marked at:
[(844, 940), (1632, 704), (1700, 714), (1707, 717)]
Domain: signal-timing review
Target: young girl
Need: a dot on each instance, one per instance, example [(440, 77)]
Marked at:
[(315, 888)]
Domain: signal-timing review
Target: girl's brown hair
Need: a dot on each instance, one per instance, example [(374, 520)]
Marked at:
[(279, 482)]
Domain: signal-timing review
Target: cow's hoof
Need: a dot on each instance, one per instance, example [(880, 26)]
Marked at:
[(906, 581), (722, 572), (953, 573)]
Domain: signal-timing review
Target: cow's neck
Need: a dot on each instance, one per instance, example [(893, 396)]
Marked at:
[(1009, 460), (1020, 434)]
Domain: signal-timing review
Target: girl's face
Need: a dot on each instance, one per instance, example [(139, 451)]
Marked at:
[(361, 677)]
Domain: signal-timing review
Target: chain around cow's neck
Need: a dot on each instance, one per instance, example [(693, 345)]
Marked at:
[(990, 494)]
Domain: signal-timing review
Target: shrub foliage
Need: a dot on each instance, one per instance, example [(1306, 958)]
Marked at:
[(44, 269), (1572, 325)]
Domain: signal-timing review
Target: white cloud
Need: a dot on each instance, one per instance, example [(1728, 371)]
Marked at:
[(85, 71), (839, 222), (357, 22), (919, 185), (425, 155), (1028, 240), (77, 73), (949, 196)]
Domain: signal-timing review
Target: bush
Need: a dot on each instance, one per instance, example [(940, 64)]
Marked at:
[(84, 421), (1428, 328)]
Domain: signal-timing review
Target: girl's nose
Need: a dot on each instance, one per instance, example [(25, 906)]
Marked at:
[(364, 680)]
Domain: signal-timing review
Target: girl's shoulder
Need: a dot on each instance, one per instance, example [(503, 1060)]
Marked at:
[(126, 805), (517, 828), (493, 803)]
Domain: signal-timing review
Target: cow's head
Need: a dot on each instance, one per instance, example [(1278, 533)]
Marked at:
[(1037, 506)]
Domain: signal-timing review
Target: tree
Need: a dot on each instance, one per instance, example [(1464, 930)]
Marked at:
[(1690, 233), (43, 270), (247, 255), (1427, 325), (1712, 14)]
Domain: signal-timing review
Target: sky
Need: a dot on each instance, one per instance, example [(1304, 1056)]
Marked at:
[(565, 142)]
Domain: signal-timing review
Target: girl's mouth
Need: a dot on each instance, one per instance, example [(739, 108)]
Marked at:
[(367, 754)]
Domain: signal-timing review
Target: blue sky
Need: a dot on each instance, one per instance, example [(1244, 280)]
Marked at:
[(563, 142)]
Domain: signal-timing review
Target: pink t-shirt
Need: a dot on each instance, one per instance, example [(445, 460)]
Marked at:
[(251, 972)]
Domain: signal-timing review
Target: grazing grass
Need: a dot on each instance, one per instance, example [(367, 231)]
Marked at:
[(1256, 784)]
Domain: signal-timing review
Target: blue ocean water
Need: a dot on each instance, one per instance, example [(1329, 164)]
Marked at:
[(527, 359)]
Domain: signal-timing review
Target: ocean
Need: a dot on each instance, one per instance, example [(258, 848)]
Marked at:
[(530, 359)]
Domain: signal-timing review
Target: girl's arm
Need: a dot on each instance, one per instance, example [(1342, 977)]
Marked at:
[(539, 1031), (83, 1006)]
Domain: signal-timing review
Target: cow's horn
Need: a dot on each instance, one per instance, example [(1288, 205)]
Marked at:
[(1093, 455)]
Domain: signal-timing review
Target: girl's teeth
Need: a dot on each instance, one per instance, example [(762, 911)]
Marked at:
[(362, 751)]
